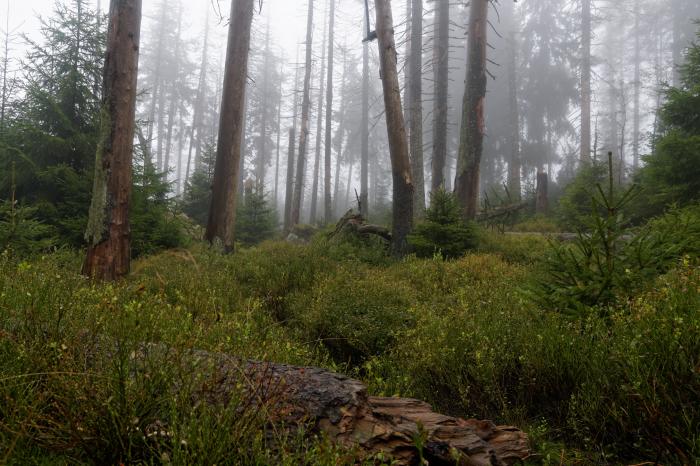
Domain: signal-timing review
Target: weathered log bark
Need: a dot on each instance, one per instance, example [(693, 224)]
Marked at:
[(402, 211), (341, 408), (222, 214), (108, 232)]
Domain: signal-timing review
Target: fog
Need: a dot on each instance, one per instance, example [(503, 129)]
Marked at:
[(634, 47)]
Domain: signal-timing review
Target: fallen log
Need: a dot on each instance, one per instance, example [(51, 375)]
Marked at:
[(354, 223), (341, 408)]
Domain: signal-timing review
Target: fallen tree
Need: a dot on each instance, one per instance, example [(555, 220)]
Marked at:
[(354, 223), (341, 408), (324, 402)]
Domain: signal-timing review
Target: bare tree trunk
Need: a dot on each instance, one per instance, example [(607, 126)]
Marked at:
[(348, 187), (637, 87), (677, 46), (262, 142), (289, 193), (5, 64), (290, 179), (407, 70), (329, 117), (441, 55), (304, 132), (364, 164), (108, 232), (340, 133), (279, 135), (180, 144), (319, 128), (586, 81), (416, 107), (542, 201), (222, 214), (402, 223), (514, 167), (172, 111), (473, 124), (156, 91), (199, 104)]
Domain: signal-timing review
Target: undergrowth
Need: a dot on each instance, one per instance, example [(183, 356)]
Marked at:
[(460, 334)]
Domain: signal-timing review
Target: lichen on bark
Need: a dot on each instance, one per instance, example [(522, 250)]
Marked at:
[(97, 228)]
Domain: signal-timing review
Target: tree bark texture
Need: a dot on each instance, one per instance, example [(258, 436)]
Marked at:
[(542, 200), (586, 81), (364, 163), (514, 164), (262, 141), (473, 124), (402, 212), (304, 131), (441, 55), (319, 128), (334, 405), (289, 191), (108, 232), (416, 107), (328, 206), (222, 213)]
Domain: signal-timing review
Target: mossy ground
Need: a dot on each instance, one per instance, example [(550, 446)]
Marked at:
[(461, 334)]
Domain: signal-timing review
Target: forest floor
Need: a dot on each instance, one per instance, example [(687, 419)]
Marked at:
[(462, 335)]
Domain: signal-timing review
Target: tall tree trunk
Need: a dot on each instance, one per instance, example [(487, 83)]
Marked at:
[(180, 146), (172, 111), (407, 70), (348, 186), (278, 129), (586, 81), (262, 142), (199, 104), (222, 213), (319, 128), (364, 164), (402, 211), (157, 78), (329, 117), (108, 232), (678, 42), (340, 133), (416, 107), (304, 132), (5, 64), (637, 87), (514, 168), (290, 180), (441, 55), (542, 201), (473, 124), (289, 193)]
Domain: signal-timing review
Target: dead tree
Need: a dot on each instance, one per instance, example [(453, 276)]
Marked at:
[(586, 81), (199, 104), (473, 124), (222, 213), (364, 164), (514, 164), (108, 232), (441, 52), (542, 200), (319, 128), (402, 212), (262, 141), (637, 86), (304, 131), (416, 107), (289, 187), (329, 117)]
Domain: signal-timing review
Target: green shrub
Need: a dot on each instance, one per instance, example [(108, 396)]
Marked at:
[(20, 232), (357, 313), (256, 221), (442, 231)]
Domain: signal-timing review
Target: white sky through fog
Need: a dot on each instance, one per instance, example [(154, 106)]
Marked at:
[(288, 22)]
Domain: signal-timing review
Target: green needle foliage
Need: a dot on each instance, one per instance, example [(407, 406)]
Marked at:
[(443, 231)]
